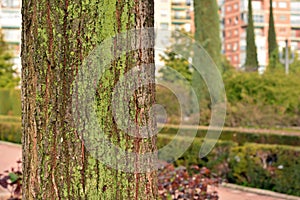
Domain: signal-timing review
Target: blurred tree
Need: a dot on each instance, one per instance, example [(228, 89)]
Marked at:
[(207, 24), (272, 42), (178, 63), (8, 75), (251, 51)]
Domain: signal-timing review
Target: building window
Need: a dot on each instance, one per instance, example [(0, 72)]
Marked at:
[(256, 5), (179, 15), (12, 35), (164, 26), (282, 17), (177, 27), (282, 4), (235, 58), (258, 32), (295, 6), (282, 30), (236, 32), (244, 17), (235, 46), (274, 4), (228, 46), (187, 27), (295, 19), (188, 14), (10, 4), (163, 13), (258, 18), (236, 20), (235, 7), (229, 8)]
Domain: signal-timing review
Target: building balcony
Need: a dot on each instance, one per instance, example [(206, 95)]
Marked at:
[(295, 38), (181, 3), (179, 8), (182, 21), (295, 25), (181, 17), (295, 11)]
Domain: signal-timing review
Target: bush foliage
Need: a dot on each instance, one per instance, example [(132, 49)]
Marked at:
[(10, 102), (256, 165), (268, 100), (253, 100)]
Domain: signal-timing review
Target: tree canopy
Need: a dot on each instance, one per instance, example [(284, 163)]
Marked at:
[(8, 75)]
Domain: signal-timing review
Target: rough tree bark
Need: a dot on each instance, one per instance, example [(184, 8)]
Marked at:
[(56, 37)]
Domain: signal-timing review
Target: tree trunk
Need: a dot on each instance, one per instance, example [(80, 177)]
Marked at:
[(57, 36)]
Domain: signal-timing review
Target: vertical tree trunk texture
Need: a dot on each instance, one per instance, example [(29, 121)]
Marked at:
[(56, 37)]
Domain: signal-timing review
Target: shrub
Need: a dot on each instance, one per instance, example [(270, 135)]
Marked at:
[(5, 105), (216, 160), (271, 167), (10, 131), (10, 102)]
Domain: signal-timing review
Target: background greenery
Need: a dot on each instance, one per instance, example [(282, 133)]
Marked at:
[(10, 102), (266, 166), (8, 75)]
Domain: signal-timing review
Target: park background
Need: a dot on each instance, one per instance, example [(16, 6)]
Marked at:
[(259, 146)]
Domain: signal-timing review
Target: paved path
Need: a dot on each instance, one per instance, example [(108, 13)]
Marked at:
[(10, 153), (230, 194)]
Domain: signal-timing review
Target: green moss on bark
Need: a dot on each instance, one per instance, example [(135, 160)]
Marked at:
[(57, 36)]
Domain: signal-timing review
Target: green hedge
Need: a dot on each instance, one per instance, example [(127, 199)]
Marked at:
[(10, 131), (216, 160), (244, 164), (242, 137), (10, 102), (10, 128), (271, 167)]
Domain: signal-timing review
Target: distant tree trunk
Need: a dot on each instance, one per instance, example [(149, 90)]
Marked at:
[(56, 37), (251, 50)]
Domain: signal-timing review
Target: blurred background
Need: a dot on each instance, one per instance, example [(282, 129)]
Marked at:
[(255, 45)]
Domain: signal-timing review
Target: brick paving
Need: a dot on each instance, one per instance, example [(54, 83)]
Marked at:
[(9, 155), (230, 194)]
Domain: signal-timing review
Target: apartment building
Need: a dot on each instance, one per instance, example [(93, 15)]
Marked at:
[(10, 23), (171, 15), (287, 24), (162, 24), (182, 15)]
